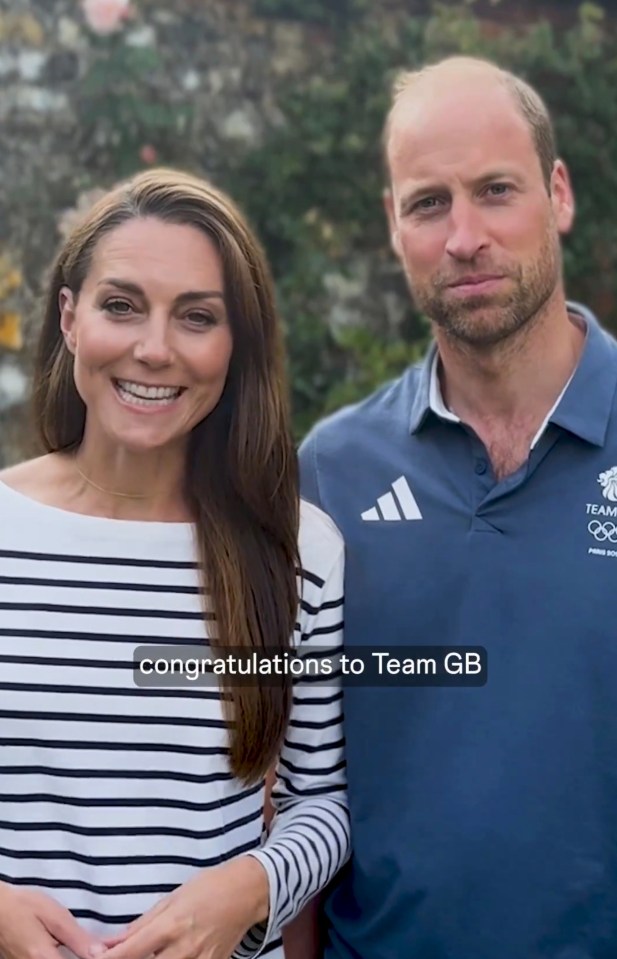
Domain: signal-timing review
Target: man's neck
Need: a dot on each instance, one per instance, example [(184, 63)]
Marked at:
[(505, 393), (522, 376)]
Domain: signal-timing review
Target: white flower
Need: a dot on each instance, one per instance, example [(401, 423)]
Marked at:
[(13, 384), (69, 219)]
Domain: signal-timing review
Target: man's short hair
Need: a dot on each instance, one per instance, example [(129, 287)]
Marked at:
[(528, 101)]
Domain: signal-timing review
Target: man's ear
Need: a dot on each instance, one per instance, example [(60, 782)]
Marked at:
[(388, 202), (66, 305), (562, 197)]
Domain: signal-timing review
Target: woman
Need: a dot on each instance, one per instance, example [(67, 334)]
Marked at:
[(163, 514)]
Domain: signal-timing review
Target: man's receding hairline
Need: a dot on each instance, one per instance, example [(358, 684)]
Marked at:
[(527, 101), (406, 80)]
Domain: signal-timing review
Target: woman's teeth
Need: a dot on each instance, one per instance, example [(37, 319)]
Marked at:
[(141, 395)]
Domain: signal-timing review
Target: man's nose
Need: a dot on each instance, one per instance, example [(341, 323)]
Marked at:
[(467, 231)]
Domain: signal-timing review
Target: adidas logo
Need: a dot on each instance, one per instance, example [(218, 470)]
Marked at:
[(398, 505)]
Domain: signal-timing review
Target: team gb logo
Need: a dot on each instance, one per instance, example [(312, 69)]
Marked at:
[(608, 482)]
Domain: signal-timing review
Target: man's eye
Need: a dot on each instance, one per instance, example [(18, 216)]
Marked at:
[(427, 203), (498, 189), (118, 307)]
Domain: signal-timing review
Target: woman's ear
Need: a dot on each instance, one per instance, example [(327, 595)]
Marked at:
[(66, 305)]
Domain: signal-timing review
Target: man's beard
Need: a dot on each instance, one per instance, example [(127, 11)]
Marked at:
[(485, 320)]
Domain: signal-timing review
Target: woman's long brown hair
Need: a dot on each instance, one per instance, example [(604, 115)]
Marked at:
[(241, 471)]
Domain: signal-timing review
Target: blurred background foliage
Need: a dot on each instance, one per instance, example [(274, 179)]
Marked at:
[(313, 190), (311, 181)]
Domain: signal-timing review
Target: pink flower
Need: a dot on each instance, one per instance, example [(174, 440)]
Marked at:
[(106, 16), (148, 154)]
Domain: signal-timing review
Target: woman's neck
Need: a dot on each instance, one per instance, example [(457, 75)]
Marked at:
[(123, 484)]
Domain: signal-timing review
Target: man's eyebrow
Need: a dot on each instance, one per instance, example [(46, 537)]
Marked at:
[(497, 174), (189, 297)]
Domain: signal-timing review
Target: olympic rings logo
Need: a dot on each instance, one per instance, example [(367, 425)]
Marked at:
[(603, 532)]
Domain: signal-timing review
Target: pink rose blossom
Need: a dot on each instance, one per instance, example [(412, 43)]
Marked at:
[(106, 16), (148, 154)]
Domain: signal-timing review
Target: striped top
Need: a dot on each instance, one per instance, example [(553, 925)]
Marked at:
[(112, 794)]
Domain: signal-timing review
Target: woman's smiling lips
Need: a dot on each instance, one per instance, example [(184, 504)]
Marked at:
[(146, 397)]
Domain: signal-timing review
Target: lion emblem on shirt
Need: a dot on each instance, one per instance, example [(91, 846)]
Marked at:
[(608, 482)]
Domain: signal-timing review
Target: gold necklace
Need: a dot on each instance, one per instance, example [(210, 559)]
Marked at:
[(110, 492)]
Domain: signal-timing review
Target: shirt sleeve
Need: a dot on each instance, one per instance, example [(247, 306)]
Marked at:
[(309, 837)]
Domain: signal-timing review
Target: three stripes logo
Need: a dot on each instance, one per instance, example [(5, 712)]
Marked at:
[(399, 504)]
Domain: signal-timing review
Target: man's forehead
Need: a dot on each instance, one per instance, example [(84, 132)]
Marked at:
[(451, 78), (432, 120)]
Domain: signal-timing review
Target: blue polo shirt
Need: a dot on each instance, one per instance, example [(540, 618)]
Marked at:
[(484, 820)]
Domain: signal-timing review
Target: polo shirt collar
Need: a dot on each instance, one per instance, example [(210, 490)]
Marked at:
[(584, 406), (421, 404), (587, 404)]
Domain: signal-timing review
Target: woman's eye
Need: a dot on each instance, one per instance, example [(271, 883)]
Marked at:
[(118, 307), (197, 318)]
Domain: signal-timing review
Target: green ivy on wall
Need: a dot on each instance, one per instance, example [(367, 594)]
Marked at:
[(328, 12), (121, 111)]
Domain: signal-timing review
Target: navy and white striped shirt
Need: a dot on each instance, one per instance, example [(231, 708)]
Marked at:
[(112, 794)]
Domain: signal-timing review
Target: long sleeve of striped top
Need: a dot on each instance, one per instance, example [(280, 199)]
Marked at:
[(309, 839)]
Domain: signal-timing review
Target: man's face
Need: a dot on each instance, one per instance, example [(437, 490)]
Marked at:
[(471, 217)]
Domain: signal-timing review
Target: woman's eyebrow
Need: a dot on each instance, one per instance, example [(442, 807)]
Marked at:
[(188, 297), (199, 295)]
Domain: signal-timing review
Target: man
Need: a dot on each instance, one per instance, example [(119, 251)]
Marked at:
[(478, 496)]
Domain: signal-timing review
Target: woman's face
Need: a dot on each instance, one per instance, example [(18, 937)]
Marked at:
[(150, 334)]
